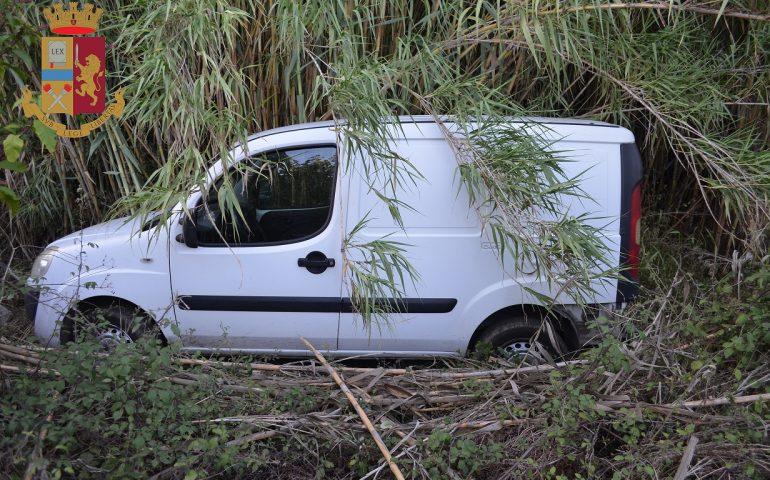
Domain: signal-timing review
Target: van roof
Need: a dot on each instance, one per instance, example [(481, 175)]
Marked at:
[(431, 119)]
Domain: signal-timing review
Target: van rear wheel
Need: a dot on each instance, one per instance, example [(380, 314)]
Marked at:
[(109, 326), (524, 340)]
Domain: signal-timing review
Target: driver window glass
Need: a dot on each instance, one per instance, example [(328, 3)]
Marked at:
[(285, 196)]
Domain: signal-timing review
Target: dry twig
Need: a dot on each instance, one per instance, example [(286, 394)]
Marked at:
[(364, 418)]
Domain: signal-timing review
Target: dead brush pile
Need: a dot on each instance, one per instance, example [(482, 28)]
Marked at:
[(685, 396)]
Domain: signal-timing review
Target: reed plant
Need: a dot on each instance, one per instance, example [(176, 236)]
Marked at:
[(690, 78)]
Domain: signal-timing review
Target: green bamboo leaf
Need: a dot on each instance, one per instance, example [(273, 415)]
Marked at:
[(96, 142), (528, 38)]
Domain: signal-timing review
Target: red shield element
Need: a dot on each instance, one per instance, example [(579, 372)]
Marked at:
[(89, 75)]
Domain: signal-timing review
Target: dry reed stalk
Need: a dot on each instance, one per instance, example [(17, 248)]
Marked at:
[(663, 6), (20, 350), (684, 465), (361, 413), (15, 369), (24, 358)]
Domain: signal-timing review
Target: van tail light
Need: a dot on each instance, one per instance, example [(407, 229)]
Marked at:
[(635, 232)]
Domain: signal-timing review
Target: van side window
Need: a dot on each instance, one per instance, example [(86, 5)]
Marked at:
[(285, 196)]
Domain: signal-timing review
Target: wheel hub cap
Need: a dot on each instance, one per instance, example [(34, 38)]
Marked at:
[(110, 337), (526, 352)]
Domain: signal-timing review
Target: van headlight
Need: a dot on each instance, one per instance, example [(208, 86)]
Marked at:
[(42, 262)]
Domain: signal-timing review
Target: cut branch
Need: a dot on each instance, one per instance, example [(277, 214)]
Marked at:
[(364, 418)]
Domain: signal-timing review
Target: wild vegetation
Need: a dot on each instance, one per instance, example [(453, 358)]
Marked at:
[(684, 392)]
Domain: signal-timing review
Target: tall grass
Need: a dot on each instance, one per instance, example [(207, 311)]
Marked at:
[(691, 79)]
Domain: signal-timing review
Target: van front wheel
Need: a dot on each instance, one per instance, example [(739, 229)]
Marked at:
[(109, 326), (524, 340)]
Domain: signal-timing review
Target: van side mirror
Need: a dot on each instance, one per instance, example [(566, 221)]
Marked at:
[(189, 230)]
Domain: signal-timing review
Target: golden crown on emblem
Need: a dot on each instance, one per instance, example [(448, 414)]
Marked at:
[(73, 21)]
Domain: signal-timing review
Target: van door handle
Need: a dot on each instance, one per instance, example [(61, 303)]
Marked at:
[(315, 262)]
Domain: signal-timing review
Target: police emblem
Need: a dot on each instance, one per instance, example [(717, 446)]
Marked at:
[(72, 75)]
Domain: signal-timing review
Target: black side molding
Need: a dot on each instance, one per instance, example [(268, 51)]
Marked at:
[(232, 303), (409, 305), (225, 303)]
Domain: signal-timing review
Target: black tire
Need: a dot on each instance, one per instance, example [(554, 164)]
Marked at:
[(514, 338), (109, 325)]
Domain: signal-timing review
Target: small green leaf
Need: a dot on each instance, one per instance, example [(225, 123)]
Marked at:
[(9, 198), (139, 443), (13, 166), (12, 146), (12, 127), (696, 365), (649, 470), (46, 135)]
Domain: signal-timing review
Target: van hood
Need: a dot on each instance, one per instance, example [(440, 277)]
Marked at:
[(119, 227), (119, 243), (119, 230)]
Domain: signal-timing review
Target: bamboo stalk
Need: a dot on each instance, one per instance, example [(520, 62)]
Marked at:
[(15, 369), (657, 6), (253, 437), (364, 418), (713, 402), (684, 464), (22, 358), (20, 350), (271, 367), (30, 471), (377, 371)]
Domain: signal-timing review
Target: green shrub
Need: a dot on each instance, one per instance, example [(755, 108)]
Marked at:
[(115, 416)]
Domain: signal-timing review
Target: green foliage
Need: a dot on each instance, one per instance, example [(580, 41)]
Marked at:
[(117, 414), (16, 35), (378, 269), (735, 317), (615, 413), (464, 455), (483, 350), (517, 184), (12, 147), (477, 387), (9, 198)]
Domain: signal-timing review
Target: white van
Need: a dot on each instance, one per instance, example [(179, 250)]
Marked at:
[(282, 276)]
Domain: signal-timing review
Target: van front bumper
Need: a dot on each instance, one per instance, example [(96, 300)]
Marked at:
[(31, 298)]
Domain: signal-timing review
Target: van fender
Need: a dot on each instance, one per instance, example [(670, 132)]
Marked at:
[(148, 290), (504, 295)]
